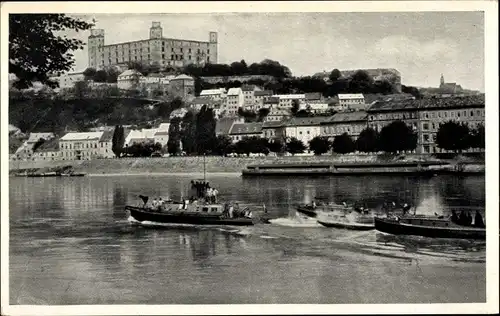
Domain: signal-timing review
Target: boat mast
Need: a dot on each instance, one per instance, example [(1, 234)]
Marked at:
[(204, 171)]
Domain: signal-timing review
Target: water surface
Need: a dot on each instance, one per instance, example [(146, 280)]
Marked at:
[(71, 242)]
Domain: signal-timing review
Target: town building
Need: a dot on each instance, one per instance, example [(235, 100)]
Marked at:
[(182, 86), (303, 128), (351, 101), (67, 81), (243, 130), (214, 94), (287, 100), (449, 87), (249, 95), (129, 79), (351, 123), (145, 135), (25, 151), (48, 151), (157, 49), (435, 111), (277, 114), (106, 144), (80, 146), (260, 97), (234, 101), (224, 124), (273, 130)]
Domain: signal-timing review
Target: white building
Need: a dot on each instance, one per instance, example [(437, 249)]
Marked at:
[(80, 146), (48, 151), (354, 101), (106, 144), (286, 100), (140, 136), (260, 97), (249, 95), (303, 128), (161, 137), (129, 79), (234, 101), (26, 149), (214, 94), (68, 80), (239, 131)]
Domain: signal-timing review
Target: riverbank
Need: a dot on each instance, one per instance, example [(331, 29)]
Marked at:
[(216, 164)]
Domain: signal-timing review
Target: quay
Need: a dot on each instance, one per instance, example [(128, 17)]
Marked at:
[(372, 168)]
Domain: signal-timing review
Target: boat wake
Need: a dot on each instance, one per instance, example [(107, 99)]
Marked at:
[(295, 222)]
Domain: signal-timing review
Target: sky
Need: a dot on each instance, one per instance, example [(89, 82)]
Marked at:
[(421, 45)]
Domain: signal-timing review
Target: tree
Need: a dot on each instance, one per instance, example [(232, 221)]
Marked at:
[(478, 137), (223, 145), (275, 145), (295, 106), (249, 116), (89, 73), (205, 130), (335, 75), (319, 145), (38, 143), (81, 89), (295, 146), (343, 144), (174, 137), (367, 140), (262, 114), (188, 133), (100, 76), (35, 51), (397, 136), (453, 136), (118, 140)]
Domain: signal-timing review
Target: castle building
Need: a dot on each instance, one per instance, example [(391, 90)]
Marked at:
[(157, 50)]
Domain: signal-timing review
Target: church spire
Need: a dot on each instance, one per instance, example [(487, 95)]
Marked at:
[(442, 80)]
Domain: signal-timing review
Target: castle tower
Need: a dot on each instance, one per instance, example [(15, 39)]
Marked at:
[(155, 32), (213, 55), (442, 81), (95, 43)]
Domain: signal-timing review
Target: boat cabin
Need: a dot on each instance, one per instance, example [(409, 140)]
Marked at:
[(422, 221)]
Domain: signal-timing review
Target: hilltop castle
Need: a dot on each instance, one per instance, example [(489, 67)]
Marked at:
[(155, 50), (449, 87)]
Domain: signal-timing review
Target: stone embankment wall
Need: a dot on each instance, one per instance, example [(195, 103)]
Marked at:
[(190, 164)]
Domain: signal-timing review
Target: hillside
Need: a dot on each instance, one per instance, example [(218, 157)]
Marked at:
[(57, 115)]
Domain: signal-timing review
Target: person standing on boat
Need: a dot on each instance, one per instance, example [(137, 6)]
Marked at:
[(231, 211), (154, 204), (454, 217), (215, 193), (478, 220)]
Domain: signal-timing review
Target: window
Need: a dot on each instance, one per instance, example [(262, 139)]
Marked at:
[(471, 113), (425, 126), (172, 49), (426, 137)]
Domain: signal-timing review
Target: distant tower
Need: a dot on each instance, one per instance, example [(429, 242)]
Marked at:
[(213, 55), (155, 31), (442, 81), (95, 43)]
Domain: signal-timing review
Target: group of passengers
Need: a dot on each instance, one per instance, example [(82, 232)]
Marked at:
[(465, 219)]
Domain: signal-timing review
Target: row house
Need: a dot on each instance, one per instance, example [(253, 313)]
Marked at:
[(214, 94), (273, 130), (234, 101), (277, 114), (81, 146), (240, 131), (303, 128), (351, 123), (199, 102), (25, 151), (106, 144), (260, 97), (435, 111), (287, 100), (48, 151), (249, 95), (351, 101)]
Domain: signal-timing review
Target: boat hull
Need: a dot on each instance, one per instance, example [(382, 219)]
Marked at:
[(392, 226), (140, 214), (347, 225), (307, 211)]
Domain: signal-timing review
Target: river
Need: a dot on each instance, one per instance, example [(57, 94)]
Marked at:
[(71, 242)]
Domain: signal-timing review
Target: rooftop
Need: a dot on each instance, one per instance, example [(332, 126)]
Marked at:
[(183, 77), (160, 133), (49, 145), (272, 124), (234, 91), (223, 126), (72, 136), (212, 91), (348, 96), (107, 136), (428, 103), (34, 137), (346, 117), (130, 72), (263, 93), (248, 87), (305, 121), (291, 96), (246, 128), (272, 100), (313, 96)]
